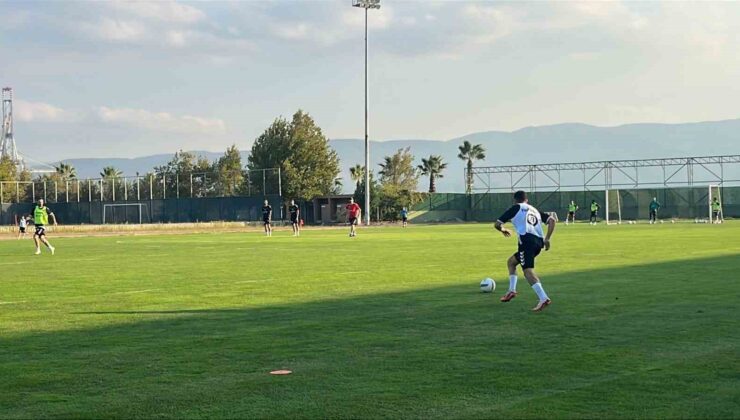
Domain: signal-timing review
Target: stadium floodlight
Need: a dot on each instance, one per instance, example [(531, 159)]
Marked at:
[(366, 4)]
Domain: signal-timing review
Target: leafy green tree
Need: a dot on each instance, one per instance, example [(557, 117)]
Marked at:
[(8, 172), (398, 180), (229, 173), (432, 167), (203, 177), (470, 153), (338, 185), (8, 169), (398, 171), (178, 173), (309, 166)]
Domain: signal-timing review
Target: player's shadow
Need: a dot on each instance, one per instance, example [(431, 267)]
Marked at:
[(434, 352)]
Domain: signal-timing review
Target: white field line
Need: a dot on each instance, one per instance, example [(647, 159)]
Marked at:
[(132, 292), (251, 281), (61, 259), (13, 303)]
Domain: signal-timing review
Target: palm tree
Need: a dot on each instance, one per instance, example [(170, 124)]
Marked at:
[(433, 167), (357, 173), (66, 171), (470, 153), (110, 172)]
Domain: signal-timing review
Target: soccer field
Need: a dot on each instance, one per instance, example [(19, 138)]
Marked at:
[(644, 323)]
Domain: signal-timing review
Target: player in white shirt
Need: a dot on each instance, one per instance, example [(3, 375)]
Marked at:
[(528, 222), (22, 225)]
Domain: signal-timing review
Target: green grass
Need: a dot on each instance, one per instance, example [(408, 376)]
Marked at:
[(389, 324)]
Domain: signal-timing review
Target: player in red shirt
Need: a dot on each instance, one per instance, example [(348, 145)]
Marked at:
[(353, 215)]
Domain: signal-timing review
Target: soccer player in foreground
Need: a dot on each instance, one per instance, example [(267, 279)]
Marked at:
[(295, 217), (528, 222), (654, 206), (267, 218), (41, 215), (353, 214)]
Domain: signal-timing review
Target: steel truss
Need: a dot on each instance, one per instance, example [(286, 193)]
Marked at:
[(603, 175)]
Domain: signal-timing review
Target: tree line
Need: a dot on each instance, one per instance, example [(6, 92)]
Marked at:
[(294, 150)]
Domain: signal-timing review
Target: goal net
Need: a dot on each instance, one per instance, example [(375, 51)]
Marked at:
[(125, 213), (716, 215), (613, 211)]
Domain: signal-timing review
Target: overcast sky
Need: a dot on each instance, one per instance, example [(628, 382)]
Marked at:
[(133, 78)]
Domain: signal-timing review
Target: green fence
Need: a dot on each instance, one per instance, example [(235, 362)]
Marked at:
[(682, 203), (175, 210)]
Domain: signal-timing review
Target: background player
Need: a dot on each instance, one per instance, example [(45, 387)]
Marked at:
[(654, 206), (716, 211), (22, 224), (527, 221), (404, 216), (353, 215), (594, 211), (267, 218), (41, 215), (295, 218), (572, 209)]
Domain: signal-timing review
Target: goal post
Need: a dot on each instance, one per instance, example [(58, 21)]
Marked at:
[(140, 208), (613, 212), (715, 192)]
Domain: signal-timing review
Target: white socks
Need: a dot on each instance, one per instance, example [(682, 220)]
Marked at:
[(540, 291), (512, 282)]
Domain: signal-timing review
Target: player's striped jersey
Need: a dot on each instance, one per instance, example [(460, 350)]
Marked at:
[(527, 220)]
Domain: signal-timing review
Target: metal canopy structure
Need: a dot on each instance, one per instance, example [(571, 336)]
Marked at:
[(613, 174)]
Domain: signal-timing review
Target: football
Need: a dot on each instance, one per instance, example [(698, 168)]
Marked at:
[(487, 285)]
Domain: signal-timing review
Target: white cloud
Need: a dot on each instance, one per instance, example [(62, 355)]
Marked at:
[(42, 112), (162, 10), (116, 30), (488, 24), (159, 121), (291, 31)]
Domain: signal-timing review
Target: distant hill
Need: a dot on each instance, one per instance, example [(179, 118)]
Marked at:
[(569, 142)]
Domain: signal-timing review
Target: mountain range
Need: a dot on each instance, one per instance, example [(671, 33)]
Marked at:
[(570, 142)]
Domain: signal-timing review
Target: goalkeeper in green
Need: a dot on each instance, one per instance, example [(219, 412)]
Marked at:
[(654, 206), (716, 211)]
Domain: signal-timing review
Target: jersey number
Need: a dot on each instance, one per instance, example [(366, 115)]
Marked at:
[(532, 219)]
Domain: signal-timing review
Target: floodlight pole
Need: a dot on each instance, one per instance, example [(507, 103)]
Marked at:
[(367, 139), (367, 4)]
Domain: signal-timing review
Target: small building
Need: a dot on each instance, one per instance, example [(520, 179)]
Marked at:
[(330, 209)]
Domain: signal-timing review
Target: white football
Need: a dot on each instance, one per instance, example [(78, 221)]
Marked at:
[(487, 285)]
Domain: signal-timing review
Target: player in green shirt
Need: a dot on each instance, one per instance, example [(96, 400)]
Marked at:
[(654, 206), (594, 211), (41, 215), (716, 210), (572, 209)]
